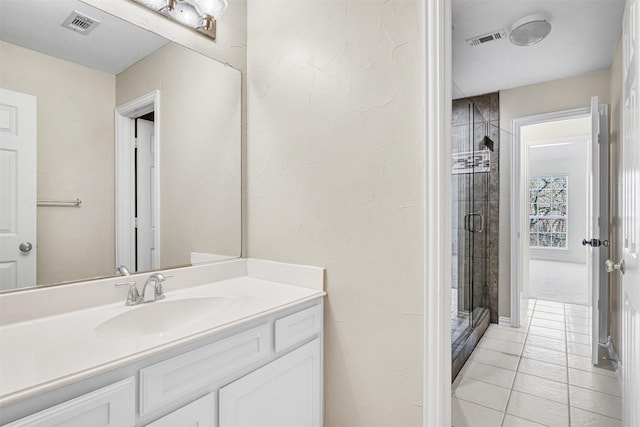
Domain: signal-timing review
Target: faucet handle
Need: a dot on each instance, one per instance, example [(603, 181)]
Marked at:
[(133, 296), (159, 289)]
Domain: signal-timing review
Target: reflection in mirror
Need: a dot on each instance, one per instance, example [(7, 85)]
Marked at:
[(60, 90)]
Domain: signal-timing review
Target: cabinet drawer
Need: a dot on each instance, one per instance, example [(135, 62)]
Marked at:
[(201, 413), (111, 406), (294, 328), (175, 378)]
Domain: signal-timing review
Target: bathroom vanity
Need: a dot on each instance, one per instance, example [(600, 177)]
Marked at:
[(237, 343)]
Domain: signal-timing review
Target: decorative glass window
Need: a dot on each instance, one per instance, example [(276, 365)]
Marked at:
[(548, 212)]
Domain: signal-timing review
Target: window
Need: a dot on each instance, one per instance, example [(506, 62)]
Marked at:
[(548, 212)]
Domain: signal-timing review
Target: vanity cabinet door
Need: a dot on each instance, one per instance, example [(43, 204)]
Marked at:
[(200, 413), (285, 393), (111, 406)]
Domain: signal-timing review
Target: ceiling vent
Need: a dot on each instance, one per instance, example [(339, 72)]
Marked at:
[(80, 23), (486, 38)]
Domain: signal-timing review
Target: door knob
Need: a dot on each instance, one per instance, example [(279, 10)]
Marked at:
[(594, 243), (610, 266), (25, 247)]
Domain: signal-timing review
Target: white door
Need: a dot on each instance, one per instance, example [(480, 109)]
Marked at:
[(17, 190), (145, 195), (593, 226), (630, 213)]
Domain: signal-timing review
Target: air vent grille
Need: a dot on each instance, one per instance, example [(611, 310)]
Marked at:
[(486, 38), (80, 23)]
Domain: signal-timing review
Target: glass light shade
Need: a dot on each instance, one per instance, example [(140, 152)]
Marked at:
[(215, 8), (530, 30), (186, 14), (154, 4)]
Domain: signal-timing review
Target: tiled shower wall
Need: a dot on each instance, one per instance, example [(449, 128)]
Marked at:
[(485, 248)]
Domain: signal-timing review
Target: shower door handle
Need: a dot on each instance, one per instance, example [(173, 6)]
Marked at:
[(470, 223)]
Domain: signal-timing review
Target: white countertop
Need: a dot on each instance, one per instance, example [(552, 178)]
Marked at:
[(44, 353)]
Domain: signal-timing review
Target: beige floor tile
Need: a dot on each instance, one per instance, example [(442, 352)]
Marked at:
[(481, 393), (593, 381), (546, 332), (546, 342), (543, 369), (570, 320), (489, 374), (505, 335), (508, 347), (511, 421), (584, 363), (589, 400), (579, 338), (467, 414), (546, 309), (548, 316), (582, 418), (548, 324), (581, 329), (579, 349), (538, 409), (495, 358), (542, 387), (576, 309), (545, 354)]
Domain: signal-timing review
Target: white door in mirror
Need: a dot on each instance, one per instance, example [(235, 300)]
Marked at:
[(17, 189), (145, 199)]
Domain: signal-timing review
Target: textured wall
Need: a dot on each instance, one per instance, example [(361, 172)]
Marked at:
[(557, 95), (335, 170), (75, 159)]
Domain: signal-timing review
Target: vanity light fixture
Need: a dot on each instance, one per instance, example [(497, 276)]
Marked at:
[(530, 30), (200, 15)]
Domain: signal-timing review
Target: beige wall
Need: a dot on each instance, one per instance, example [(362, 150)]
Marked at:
[(557, 95), (615, 229), (75, 159), (199, 150), (335, 154)]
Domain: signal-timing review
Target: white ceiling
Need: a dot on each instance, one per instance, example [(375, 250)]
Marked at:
[(112, 46), (583, 39)]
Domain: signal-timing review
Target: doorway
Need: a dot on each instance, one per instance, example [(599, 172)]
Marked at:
[(137, 183), (557, 155), (540, 197)]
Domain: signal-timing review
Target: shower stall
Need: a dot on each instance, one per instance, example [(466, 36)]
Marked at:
[(472, 162)]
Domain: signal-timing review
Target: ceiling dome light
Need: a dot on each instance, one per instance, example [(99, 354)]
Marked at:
[(530, 30), (213, 8)]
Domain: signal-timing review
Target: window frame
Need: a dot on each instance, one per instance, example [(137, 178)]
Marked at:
[(551, 217)]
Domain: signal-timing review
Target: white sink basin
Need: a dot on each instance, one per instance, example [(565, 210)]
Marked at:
[(160, 316)]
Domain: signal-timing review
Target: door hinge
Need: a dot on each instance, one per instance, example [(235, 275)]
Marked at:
[(135, 222), (135, 142)]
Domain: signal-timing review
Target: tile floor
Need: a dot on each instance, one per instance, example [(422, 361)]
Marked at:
[(537, 375)]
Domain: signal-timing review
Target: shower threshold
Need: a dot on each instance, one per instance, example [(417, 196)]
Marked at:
[(462, 347)]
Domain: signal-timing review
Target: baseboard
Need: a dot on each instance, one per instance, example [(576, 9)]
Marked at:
[(505, 321)]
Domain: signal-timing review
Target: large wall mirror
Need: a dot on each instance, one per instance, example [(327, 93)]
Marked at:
[(143, 132)]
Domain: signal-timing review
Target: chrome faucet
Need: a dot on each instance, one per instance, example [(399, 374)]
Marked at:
[(122, 270), (152, 289)]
